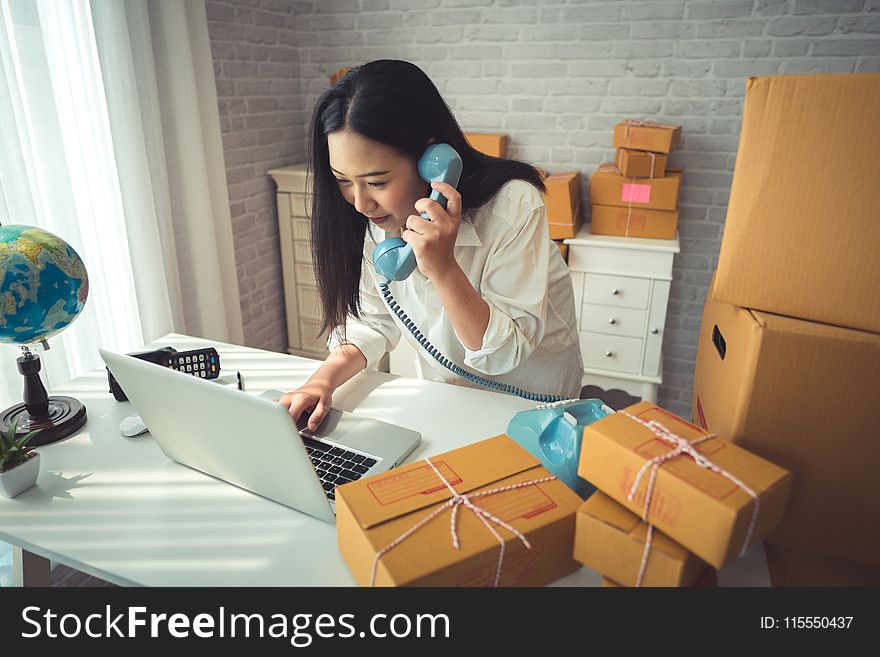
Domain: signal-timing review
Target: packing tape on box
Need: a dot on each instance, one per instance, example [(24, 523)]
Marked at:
[(653, 161), (681, 447), (613, 168), (483, 516)]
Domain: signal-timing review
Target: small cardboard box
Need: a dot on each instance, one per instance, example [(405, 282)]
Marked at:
[(608, 187), (488, 143), (802, 232), (708, 579), (805, 396), (791, 567), (703, 510), (647, 136), (641, 164), (374, 512), (611, 540), (634, 222), (563, 201)]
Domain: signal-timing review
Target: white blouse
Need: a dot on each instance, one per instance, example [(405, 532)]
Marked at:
[(506, 253)]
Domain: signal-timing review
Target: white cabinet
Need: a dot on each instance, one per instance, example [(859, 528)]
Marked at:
[(300, 294), (621, 287)]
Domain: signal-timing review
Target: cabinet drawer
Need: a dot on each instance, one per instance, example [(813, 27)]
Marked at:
[(305, 274), (616, 290), (302, 230), (302, 252), (307, 301), (611, 352), (613, 320), (299, 205)]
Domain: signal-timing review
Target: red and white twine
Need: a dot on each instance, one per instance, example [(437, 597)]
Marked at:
[(682, 447), (456, 501)]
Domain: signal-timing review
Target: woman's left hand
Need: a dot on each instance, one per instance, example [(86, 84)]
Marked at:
[(433, 241)]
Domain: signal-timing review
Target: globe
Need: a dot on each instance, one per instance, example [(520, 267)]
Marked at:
[(43, 288), (43, 284)]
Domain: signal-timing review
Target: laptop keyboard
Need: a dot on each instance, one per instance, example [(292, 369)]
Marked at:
[(335, 465)]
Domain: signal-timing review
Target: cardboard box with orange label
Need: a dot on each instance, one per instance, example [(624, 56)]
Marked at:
[(634, 222), (804, 395), (708, 512), (641, 164), (611, 540), (488, 143), (374, 513), (647, 136), (563, 202), (608, 187)]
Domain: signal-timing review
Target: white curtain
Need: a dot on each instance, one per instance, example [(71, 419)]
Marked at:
[(111, 139)]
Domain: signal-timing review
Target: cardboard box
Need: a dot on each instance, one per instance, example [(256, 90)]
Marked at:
[(790, 567), (611, 540), (563, 201), (634, 222), (647, 136), (488, 143), (563, 249), (704, 511), (608, 187), (805, 396), (708, 579), (373, 512), (641, 164), (802, 230)]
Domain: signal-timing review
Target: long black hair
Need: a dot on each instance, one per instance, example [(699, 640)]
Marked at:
[(394, 103)]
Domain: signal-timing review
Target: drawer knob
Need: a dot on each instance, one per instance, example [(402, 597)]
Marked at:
[(655, 330), (608, 354), (612, 321), (615, 292)]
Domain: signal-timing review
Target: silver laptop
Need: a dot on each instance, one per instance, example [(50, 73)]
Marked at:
[(252, 442)]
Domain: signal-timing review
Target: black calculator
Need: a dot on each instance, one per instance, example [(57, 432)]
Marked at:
[(203, 363)]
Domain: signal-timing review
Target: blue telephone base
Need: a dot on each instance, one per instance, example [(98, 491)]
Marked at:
[(553, 435)]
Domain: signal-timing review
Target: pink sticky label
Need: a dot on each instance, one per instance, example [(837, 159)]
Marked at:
[(636, 193)]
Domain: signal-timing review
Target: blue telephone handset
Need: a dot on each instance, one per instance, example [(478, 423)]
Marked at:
[(552, 433), (393, 258)]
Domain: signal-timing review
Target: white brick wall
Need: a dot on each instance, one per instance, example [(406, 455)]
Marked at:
[(555, 76)]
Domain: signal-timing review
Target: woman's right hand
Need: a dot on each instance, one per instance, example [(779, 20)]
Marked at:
[(313, 396)]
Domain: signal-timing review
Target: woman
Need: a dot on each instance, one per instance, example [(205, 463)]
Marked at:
[(491, 292)]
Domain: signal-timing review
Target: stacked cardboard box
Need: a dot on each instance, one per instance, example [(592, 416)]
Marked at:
[(705, 507), (637, 196), (788, 360), (563, 202), (387, 539)]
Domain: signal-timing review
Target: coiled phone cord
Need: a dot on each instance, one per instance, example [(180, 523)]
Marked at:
[(448, 364)]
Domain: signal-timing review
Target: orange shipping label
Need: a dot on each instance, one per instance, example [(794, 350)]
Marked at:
[(418, 481), (684, 467), (664, 507)]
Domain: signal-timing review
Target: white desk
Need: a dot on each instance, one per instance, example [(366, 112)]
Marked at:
[(119, 509)]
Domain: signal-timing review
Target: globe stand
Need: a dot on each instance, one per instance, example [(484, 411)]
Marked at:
[(57, 416)]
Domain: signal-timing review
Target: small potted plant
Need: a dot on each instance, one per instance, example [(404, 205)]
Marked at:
[(19, 464)]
